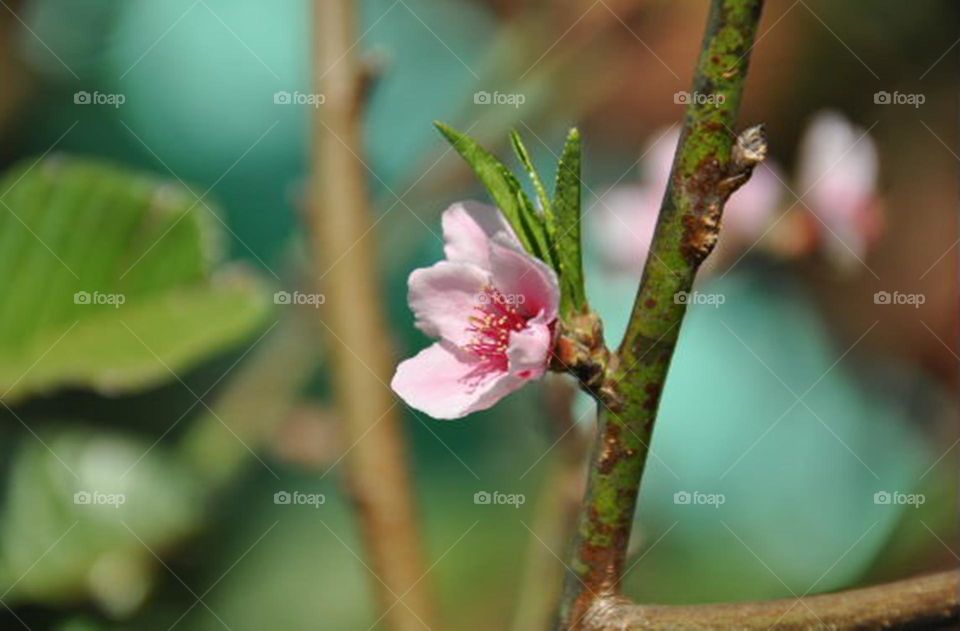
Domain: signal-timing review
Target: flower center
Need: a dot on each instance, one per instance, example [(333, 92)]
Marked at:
[(497, 316)]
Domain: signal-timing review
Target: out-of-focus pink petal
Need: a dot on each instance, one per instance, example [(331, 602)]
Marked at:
[(658, 158), (468, 228), (443, 296), (624, 219), (446, 383), (529, 350), (516, 273), (838, 174), (750, 210)]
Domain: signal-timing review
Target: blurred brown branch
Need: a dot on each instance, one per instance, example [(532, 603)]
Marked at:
[(358, 338), (927, 602), (556, 509)]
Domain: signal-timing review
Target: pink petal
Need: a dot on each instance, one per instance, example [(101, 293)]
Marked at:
[(517, 273), (624, 219), (444, 296), (529, 350), (447, 383), (751, 209), (468, 228), (838, 170), (657, 158), (838, 173)]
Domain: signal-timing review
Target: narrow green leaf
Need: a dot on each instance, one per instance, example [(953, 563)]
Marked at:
[(505, 190), (521, 150), (567, 243)]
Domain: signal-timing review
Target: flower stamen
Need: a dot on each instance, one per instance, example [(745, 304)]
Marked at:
[(497, 317)]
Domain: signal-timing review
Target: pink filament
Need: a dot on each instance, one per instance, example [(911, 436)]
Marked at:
[(491, 329)]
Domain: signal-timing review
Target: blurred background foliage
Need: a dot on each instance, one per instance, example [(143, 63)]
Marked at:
[(197, 400)]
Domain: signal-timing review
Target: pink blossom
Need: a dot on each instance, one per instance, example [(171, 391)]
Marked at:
[(657, 157), (837, 175), (750, 210), (623, 220), (493, 307), (625, 217)]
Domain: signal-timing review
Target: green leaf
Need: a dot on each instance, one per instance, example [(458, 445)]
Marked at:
[(107, 500), (524, 156), (567, 238), (109, 281), (505, 190)]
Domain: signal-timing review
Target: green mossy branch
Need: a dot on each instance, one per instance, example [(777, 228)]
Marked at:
[(706, 170)]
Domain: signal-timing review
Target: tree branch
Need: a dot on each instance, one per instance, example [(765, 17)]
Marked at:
[(927, 602), (340, 221), (706, 170)]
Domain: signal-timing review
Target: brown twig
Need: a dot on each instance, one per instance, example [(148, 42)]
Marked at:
[(352, 316), (927, 602)]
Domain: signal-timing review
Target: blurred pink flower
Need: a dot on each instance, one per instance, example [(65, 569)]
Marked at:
[(749, 211), (837, 175), (493, 307), (623, 220), (625, 217), (657, 157)]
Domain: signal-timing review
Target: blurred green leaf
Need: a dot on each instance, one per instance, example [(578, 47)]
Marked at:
[(80, 623), (109, 280), (84, 514), (566, 235)]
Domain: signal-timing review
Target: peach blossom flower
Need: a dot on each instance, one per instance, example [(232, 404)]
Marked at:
[(493, 307)]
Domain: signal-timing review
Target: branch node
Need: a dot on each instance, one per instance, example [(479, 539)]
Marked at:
[(751, 147), (749, 151), (607, 613), (580, 350)]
